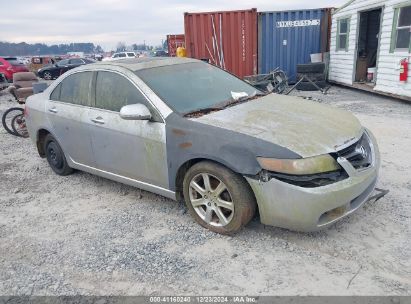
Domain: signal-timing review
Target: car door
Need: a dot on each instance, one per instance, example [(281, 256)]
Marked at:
[(59, 68), (130, 148), (67, 109)]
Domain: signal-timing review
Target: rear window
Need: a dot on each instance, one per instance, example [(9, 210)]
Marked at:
[(13, 61)]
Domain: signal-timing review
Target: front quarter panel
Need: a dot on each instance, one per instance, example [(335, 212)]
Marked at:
[(188, 139)]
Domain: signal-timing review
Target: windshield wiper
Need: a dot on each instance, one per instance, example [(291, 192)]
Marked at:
[(223, 105)]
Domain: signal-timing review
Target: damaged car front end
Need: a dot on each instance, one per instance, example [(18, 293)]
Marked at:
[(309, 202)]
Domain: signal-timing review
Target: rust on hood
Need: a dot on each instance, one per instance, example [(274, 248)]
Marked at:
[(179, 132), (185, 145)]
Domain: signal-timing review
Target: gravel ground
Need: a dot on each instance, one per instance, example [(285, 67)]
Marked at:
[(83, 234)]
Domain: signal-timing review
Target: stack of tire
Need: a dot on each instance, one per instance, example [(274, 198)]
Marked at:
[(315, 72)]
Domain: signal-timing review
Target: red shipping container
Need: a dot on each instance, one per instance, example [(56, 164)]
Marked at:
[(173, 42), (227, 39)]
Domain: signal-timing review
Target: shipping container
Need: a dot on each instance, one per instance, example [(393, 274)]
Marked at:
[(287, 38), (173, 42), (227, 39)]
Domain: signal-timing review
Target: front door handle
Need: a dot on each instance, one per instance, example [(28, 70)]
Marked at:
[(53, 110), (98, 120)]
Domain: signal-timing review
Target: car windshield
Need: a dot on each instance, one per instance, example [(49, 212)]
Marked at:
[(13, 61), (63, 62), (195, 86)]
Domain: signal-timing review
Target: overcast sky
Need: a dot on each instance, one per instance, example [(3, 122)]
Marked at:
[(106, 22)]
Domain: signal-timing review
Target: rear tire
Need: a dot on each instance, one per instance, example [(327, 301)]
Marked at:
[(318, 67), (218, 198), (55, 156), (308, 86)]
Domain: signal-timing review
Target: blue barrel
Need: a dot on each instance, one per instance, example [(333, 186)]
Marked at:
[(287, 38)]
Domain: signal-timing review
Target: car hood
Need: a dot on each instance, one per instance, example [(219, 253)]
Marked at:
[(304, 127)]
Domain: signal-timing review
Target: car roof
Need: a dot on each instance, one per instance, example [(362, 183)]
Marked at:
[(136, 64)]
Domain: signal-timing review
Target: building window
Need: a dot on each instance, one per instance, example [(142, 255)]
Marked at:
[(343, 33), (402, 29)]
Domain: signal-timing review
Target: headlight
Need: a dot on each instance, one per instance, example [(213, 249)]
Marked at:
[(302, 166)]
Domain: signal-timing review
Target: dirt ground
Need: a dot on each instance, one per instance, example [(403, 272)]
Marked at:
[(83, 234)]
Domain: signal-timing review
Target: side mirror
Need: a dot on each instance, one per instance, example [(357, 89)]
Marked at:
[(136, 111)]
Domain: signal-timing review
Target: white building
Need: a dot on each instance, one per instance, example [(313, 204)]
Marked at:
[(367, 34)]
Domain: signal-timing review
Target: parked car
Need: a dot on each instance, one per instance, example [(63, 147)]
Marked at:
[(120, 55), (39, 62), (188, 130), (160, 53), (11, 65), (55, 70)]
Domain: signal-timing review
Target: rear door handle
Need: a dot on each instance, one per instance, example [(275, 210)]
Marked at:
[(98, 120), (53, 110)]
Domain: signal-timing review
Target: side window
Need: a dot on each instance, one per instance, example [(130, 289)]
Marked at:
[(76, 61), (401, 34), (114, 91), (115, 56), (55, 95), (131, 55), (122, 55), (76, 89), (343, 31)]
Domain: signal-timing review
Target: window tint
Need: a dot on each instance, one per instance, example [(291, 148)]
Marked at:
[(193, 86), (63, 62), (76, 89), (131, 54), (122, 55), (55, 95), (13, 61), (76, 61), (114, 91), (403, 34), (115, 56)]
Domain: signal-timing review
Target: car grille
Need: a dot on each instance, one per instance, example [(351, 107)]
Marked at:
[(358, 154)]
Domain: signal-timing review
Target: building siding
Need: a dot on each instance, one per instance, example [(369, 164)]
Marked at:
[(342, 63)]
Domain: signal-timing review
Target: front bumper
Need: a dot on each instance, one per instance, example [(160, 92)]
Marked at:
[(309, 209)]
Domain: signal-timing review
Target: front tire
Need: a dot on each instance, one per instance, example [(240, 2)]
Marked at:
[(55, 156), (217, 198)]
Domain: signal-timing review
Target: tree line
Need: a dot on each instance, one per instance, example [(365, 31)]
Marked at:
[(26, 49)]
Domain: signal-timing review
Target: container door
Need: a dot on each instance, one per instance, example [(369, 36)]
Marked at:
[(289, 38)]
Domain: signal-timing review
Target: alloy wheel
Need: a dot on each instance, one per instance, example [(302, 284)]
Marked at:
[(47, 76), (211, 200)]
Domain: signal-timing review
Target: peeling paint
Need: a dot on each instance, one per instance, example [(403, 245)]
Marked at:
[(178, 132), (185, 145)]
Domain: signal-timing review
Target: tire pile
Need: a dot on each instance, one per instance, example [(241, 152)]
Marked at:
[(315, 72)]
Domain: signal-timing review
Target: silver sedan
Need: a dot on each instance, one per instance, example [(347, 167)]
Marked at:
[(190, 131)]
